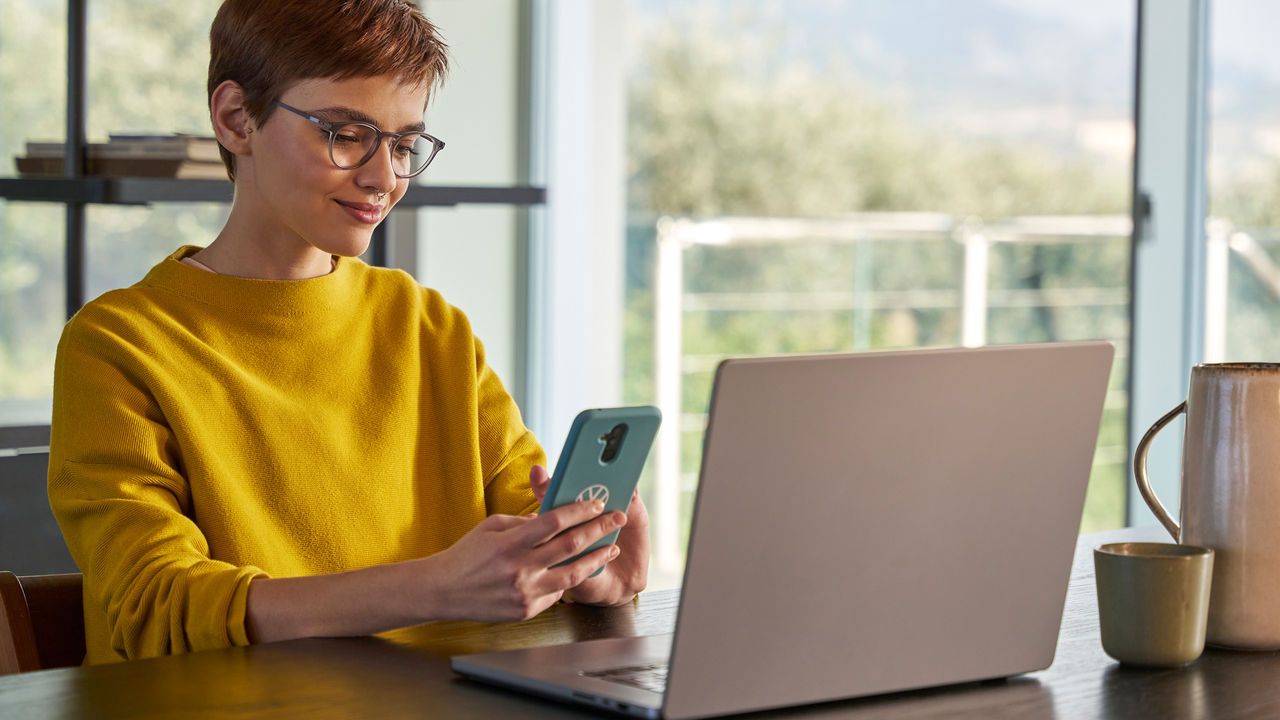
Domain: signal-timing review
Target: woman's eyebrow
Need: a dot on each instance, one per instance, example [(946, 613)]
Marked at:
[(342, 112)]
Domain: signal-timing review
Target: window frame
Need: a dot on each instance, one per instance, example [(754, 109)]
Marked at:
[(1167, 318), (1167, 305)]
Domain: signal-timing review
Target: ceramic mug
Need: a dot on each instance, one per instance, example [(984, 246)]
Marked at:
[(1230, 495), (1153, 601)]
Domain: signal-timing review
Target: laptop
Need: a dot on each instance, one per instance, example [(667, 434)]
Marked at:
[(864, 524)]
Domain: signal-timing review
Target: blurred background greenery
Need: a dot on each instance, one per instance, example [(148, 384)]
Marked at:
[(147, 63), (713, 132)]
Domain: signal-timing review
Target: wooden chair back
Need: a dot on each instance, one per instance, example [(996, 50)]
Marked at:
[(41, 622)]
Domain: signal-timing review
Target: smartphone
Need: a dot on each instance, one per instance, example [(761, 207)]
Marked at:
[(601, 460)]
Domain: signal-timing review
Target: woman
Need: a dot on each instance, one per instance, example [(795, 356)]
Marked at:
[(268, 439)]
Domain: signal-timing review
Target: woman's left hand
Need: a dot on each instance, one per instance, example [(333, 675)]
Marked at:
[(624, 576)]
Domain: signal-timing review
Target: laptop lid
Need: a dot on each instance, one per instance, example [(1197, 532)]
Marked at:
[(880, 522)]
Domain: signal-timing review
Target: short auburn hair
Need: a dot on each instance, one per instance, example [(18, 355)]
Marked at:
[(266, 45)]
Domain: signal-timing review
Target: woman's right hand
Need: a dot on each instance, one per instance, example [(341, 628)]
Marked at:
[(505, 568)]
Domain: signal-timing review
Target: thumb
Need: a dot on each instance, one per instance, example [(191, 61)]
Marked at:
[(539, 481)]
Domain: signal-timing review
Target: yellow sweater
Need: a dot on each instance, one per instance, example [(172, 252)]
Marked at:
[(209, 429)]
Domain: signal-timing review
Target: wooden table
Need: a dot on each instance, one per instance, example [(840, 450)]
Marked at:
[(406, 674)]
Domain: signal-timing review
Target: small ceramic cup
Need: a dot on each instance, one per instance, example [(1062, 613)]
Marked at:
[(1153, 601)]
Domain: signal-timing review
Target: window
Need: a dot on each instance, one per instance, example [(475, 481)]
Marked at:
[(475, 255), (146, 66), (33, 36), (810, 177), (1242, 285)]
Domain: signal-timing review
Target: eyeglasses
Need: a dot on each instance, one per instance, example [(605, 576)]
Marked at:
[(352, 144)]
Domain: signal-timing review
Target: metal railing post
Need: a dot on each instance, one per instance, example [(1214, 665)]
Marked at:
[(973, 300), (1216, 263), (668, 353), (863, 287)]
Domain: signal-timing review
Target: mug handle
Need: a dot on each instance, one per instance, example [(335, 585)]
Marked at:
[(1140, 471)]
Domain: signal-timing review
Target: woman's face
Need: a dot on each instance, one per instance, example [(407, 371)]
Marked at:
[(332, 209)]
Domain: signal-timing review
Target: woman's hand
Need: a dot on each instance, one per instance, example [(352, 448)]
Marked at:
[(626, 574), (505, 567)]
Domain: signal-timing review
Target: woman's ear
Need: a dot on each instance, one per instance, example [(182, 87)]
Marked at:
[(231, 122)]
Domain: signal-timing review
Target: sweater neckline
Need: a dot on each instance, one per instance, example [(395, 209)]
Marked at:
[(322, 294), (191, 260)]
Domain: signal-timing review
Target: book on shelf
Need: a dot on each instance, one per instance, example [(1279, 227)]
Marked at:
[(128, 167), (173, 146)]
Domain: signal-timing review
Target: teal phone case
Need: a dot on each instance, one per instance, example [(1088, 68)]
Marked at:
[(585, 472)]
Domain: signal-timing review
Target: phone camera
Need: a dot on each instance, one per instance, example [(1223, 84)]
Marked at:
[(612, 442)]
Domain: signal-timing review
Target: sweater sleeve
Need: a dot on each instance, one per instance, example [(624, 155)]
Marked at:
[(508, 449), (119, 495)]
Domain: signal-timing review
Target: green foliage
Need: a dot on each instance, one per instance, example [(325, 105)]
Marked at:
[(148, 66), (1247, 202), (714, 131), (1251, 206), (32, 58)]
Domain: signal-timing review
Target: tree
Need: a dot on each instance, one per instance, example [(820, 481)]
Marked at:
[(719, 125)]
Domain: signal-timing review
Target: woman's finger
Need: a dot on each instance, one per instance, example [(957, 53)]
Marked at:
[(575, 573), (552, 523), (575, 540), (539, 481)]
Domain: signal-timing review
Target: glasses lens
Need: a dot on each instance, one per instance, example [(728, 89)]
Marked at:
[(412, 154), (352, 144)]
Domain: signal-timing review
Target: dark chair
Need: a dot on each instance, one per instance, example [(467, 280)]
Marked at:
[(30, 540), (41, 622)]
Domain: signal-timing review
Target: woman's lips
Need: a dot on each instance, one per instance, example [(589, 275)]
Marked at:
[(363, 212)]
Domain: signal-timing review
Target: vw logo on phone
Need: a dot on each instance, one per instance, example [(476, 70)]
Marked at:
[(595, 492)]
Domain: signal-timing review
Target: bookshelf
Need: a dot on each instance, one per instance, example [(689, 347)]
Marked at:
[(75, 189)]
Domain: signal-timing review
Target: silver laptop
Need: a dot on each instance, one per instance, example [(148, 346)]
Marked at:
[(864, 524)]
